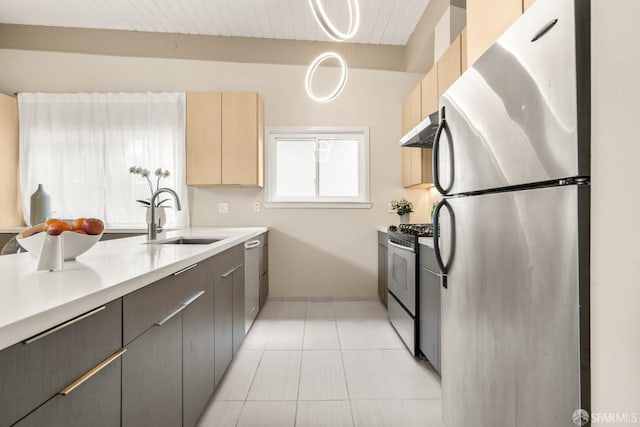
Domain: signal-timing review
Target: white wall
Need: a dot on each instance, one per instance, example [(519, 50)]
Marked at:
[(313, 252), (615, 211), (452, 22)]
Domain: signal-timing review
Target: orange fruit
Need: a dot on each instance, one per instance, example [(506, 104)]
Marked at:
[(57, 226), (77, 224)]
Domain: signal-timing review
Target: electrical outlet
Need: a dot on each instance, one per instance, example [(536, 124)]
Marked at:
[(223, 208), (256, 206)]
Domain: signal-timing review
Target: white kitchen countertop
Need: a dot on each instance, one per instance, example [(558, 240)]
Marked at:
[(32, 301)]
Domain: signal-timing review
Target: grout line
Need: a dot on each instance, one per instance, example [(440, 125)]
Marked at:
[(255, 374), (304, 327), (344, 369), (240, 415)]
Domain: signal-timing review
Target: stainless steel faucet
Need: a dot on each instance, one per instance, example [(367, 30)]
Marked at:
[(152, 231)]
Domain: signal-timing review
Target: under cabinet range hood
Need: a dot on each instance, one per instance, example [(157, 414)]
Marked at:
[(423, 134)]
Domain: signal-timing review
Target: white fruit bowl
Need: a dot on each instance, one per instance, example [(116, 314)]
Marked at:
[(73, 244)]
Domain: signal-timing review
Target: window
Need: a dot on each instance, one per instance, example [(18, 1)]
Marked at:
[(318, 167), (80, 146)]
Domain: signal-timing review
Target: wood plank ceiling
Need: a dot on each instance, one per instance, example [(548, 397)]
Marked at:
[(385, 22)]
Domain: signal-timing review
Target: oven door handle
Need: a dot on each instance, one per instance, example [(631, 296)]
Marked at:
[(405, 248)]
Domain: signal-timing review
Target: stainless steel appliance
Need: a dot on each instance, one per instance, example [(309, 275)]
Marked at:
[(511, 156), (402, 270), (252, 255), (423, 134)]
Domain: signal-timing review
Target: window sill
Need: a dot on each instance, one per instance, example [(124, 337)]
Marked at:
[(318, 205)]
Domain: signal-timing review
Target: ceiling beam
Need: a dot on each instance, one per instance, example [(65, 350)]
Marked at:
[(183, 46)]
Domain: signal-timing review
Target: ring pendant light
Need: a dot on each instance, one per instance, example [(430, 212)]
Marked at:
[(327, 26), (312, 69)]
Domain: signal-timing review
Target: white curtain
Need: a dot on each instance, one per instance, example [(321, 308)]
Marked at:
[(80, 147)]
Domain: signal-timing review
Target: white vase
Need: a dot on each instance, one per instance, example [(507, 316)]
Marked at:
[(404, 219), (40, 206), (161, 216)]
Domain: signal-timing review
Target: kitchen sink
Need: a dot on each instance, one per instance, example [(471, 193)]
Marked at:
[(187, 241)]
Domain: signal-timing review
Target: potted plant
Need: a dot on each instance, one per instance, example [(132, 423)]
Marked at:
[(161, 216), (403, 208)]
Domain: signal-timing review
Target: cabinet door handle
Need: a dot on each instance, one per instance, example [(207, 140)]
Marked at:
[(230, 272), (179, 308), (168, 317), (99, 367), (63, 325), (193, 298), (252, 244), (185, 269)]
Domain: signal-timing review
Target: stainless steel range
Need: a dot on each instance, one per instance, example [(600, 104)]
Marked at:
[(402, 262)]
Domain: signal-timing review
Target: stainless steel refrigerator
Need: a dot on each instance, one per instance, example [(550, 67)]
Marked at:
[(511, 157)]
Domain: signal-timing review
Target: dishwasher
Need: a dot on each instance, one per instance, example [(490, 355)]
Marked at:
[(252, 249)]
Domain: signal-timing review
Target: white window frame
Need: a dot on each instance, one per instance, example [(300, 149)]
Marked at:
[(362, 201)]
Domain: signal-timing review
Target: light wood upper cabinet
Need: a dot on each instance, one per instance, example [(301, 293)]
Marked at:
[(416, 167), (449, 66), (413, 173), (10, 210), (242, 140), (422, 101), (416, 162), (429, 90), (526, 4), (463, 50), (204, 138), (411, 114), (486, 21), (225, 145), (406, 166)]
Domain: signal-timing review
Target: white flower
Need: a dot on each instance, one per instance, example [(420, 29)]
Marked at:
[(146, 173)]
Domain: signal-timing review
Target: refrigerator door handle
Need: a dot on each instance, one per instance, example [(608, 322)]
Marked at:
[(436, 154), (444, 267)]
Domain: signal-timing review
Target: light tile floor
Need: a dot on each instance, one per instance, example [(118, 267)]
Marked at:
[(325, 364)]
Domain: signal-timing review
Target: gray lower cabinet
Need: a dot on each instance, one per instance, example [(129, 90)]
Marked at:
[(168, 370), (264, 270), (36, 370), (238, 306), (382, 267), (430, 317), (142, 309), (223, 325), (96, 403), (229, 307), (152, 377), (198, 347)]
